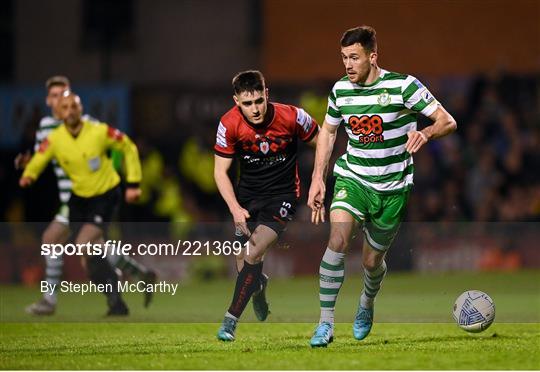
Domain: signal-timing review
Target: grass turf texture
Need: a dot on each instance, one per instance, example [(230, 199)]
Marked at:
[(413, 328)]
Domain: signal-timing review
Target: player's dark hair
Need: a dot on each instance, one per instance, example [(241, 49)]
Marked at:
[(364, 35), (57, 80), (248, 81)]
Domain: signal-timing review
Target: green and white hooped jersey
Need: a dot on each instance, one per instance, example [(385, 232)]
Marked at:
[(377, 118), (46, 126)]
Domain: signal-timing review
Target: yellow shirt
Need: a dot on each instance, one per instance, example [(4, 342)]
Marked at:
[(84, 158)]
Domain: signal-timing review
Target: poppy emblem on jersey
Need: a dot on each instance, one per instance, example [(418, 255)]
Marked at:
[(384, 98), (264, 147), (341, 194)]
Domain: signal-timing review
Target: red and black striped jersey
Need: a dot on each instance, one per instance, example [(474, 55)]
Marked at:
[(267, 152)]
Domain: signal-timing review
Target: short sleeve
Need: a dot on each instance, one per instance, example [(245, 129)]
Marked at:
[(333, 113), (306, 126), (417, 97), (225, 141)]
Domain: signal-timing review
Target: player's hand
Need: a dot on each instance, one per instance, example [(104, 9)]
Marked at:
[(22, 159), (240, 215), (416, 140), (317, 192), (25, 182), (132, 194)]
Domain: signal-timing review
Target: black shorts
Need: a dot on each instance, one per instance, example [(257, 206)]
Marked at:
[(97, 210), (273, 212)]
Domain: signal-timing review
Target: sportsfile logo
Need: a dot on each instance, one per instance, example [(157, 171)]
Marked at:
[(368, 128)]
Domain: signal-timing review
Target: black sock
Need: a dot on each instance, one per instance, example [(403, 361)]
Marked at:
[(101, 272), (247, 282)]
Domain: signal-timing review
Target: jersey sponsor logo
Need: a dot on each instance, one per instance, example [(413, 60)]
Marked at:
[(44, 145), (368, 128), (384, 98), (221, 139), (115, 134), (304, 120)]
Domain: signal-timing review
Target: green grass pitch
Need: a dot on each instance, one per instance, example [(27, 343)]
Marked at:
[(413, 328)]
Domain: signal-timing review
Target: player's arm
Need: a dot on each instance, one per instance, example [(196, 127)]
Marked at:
[(22, 159), (37, 163), (325, 144), (119, 141), (443, 124), (313, 141), (225, 187)]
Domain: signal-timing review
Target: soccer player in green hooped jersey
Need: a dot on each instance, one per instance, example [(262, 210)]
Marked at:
[(58, 230), (378, 109)]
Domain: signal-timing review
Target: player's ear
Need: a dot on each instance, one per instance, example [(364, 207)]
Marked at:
[(236, 100), (266, 93), (373, 58)]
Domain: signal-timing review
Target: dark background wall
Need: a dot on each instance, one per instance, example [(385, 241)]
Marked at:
[(427, 37), (153, 41)]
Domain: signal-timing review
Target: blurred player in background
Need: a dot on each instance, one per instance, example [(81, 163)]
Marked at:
[(378, 109), (80, 147), (264, 137), (58, 230)]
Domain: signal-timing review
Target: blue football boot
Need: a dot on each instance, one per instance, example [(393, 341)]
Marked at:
[(363, 321), (323, 335), (227, 329)]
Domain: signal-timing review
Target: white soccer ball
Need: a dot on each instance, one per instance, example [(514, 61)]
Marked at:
[(474, 311)]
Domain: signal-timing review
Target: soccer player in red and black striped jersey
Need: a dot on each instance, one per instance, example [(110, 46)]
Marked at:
[(264, 137)]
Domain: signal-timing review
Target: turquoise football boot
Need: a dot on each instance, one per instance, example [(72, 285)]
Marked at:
[(323, 335), (227, 329), (363, 321)]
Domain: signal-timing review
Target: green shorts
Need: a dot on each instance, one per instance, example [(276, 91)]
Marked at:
[(380, 214)]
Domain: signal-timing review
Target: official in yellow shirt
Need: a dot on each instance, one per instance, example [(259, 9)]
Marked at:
[(80, 148)]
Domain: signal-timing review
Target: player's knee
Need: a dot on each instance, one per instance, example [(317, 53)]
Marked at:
[(255, 253), (372, 263), (50, 236), (338, 242)]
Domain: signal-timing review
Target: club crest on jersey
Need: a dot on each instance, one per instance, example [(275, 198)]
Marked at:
[(341, 194), (384, 98), (264, 147)]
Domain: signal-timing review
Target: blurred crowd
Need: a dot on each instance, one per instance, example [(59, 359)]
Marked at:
[(489, 169)]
